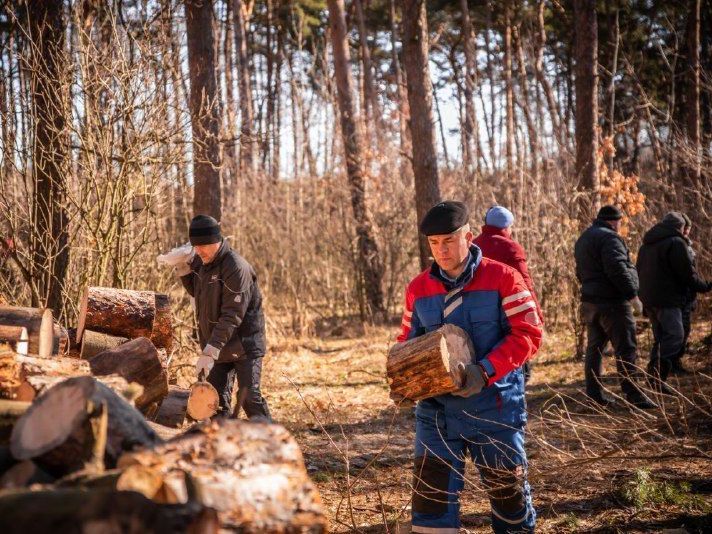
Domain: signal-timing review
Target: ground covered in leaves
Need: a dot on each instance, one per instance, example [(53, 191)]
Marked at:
[(618, 470)]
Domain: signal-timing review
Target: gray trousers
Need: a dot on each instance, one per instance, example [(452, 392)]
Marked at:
[(669, 334)]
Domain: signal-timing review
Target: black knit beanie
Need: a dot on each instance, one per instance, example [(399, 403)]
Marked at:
[(204, 230)]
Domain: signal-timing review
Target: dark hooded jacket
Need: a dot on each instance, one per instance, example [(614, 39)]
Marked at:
[(603, 266), (667, 269), (228, 304)]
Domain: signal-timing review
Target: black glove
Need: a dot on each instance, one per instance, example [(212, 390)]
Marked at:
[(475, 379)]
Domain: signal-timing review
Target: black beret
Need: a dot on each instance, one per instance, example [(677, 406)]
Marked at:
[(204, 230), (609, 213), (445, 218)]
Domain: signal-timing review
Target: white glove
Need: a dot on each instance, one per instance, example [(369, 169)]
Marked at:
[(207, 360), (637, 306)]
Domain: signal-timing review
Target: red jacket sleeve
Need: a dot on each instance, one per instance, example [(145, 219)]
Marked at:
[(520, 264), (407, 321), (525, 334)]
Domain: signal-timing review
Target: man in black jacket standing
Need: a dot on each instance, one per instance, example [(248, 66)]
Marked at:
[(609, 288), (231, 324), (667, 277)]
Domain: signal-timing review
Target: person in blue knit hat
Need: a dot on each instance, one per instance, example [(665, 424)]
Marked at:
[(495, 241)]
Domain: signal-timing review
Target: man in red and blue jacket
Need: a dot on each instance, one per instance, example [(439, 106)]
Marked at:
[(486, 419)]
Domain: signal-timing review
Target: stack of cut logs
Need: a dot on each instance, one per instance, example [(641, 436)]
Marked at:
[(90, 433)]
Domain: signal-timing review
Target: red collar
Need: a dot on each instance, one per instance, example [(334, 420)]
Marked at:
[(493, 230)]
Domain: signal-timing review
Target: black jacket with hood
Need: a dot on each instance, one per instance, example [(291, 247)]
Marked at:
[(228, 304), (666, 269), (603, 266)]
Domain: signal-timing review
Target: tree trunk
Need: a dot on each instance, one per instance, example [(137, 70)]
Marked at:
[(586, 86), (692, 105), (62, 430), (50, 93), (369, 256), (252, 473), (370, 101), (127, 313), (509, 96), (136, 361), (420, 100), (470, 155), (427, 366), (401, 96), (204, 108), (247, 142), (38, 323), (94, 343)]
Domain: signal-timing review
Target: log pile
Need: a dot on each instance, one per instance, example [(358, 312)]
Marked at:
[(82, 457), (93, 438), (427, 366), (126, 313)]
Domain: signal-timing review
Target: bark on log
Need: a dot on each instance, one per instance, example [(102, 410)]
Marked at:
[(126, 313), (16, 337), (94, 343), (426, 366), (34, 386), (39, 324), (60, 340), (61, 431), (78, 510), (137, 361), (173, 408), (203, 401), (252, 473)]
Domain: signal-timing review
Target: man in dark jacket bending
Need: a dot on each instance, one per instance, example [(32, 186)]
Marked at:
[(231, 325), (667, 277), (609, 288)]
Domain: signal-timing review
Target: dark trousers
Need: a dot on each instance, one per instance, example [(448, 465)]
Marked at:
[(686, 327), (249, 397), (614, 323), (669, 334)]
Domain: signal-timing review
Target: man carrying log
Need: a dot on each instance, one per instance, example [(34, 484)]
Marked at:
[(231, 325), (486, 418)]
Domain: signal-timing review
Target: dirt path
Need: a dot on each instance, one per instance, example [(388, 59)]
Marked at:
[(591, 470)]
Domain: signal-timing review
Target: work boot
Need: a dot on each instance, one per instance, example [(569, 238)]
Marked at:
[(640, 400), (677, 369), (602, 399), (658, 371)]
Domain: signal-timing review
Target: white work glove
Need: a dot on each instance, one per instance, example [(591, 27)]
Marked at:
[(637, 306), (179, 258), (206, 361)]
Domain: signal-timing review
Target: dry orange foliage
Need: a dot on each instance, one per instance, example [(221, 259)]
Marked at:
[(617, 188)]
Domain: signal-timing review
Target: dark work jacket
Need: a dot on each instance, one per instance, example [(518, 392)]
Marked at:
[(667, 269), (603, 266), (228, 304)]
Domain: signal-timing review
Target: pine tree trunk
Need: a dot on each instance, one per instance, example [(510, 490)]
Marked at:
[(586, 70), (247, 142), (420, 99), (204, 108), (471, 142), (50, 94), (368, 254), (692, 105)]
